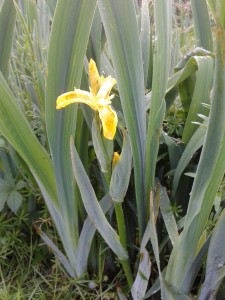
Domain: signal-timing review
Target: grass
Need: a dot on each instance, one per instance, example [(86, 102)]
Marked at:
[(29, 270)]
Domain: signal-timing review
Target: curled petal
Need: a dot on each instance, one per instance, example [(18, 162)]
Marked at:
[(77, 96), (106, 87), (109, 121), (95, 79), (115, 160)]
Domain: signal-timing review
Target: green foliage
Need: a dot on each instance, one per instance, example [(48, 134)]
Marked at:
[(158, 212), (174, 121)]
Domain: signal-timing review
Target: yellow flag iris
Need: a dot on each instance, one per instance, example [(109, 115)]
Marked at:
[(98, 99)]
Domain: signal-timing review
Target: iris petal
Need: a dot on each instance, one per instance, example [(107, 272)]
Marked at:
[(77, 96), (106, 87), (95, 79), (109, 121)]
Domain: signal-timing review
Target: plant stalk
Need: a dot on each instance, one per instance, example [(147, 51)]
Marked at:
[(122, 234), (123, 239)]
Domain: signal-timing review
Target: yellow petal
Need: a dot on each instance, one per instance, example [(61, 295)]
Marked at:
[(77, 96), (109, 121), (106, 87), (95, 79)]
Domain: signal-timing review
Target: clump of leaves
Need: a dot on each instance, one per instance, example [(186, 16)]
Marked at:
[(176, 210), (10, 193), (174, 121)]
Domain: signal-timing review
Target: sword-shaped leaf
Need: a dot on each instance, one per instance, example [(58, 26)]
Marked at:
[(93, 207)]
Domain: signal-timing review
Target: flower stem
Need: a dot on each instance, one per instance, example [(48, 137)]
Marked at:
[(122, 234), (123, 239)]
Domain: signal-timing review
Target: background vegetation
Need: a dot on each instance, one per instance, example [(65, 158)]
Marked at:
[(72, 226)]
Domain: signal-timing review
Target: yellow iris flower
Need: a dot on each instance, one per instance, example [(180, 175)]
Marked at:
[(98, 99)]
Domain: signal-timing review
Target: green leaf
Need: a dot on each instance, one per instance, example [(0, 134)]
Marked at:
[(194, 268), (155, 246), (7, 23), (120, 24), (167, 215), (103, 147), (161, 64), (193, 145), (202, 24), (3, 198), (141, 281), (174, 150), (51, 4), (68, 41), (195, 52), (145, 37), (194, 90), (86, 237), (202, 88), (20, 185), (2, 143), (215, 261), (63, 260), (181, 74), (218, 9), (144, 269), (154, 289), (93, 208), (4, 185), (14, 201), (95, 42)]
